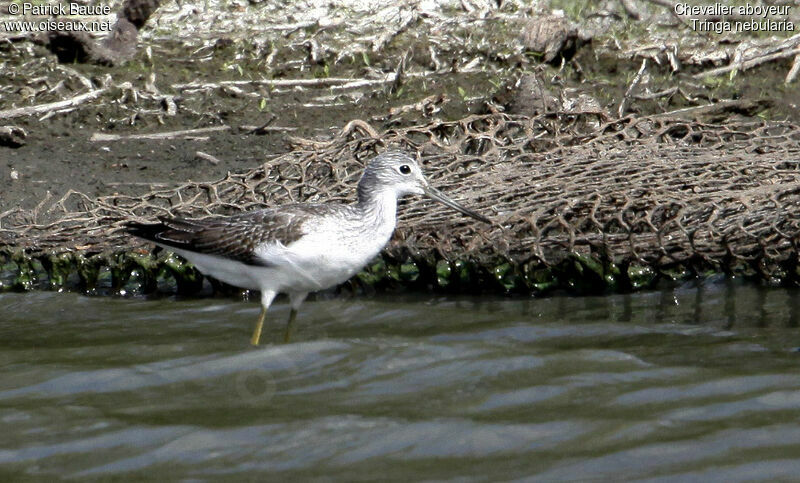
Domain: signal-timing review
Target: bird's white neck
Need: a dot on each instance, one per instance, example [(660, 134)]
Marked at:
[(381, 207)]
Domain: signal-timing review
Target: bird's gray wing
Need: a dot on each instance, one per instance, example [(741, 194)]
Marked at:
[(235, 237)]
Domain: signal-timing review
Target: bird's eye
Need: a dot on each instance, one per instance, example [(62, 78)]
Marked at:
[(404, 169)]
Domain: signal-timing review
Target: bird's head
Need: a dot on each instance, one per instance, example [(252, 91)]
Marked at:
[(399, 173)]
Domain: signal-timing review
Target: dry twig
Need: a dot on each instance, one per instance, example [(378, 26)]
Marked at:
[(52, 106), (211, 159), (749, 63), (623, 106), (188, 133), (790, 76)]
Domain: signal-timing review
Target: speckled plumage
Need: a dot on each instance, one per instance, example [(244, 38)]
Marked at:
[(234, 237), (298, 248)]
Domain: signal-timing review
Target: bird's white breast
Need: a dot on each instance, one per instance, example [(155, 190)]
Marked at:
[(332, 250)]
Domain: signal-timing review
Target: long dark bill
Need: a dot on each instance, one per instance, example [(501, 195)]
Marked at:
[(437, 195)]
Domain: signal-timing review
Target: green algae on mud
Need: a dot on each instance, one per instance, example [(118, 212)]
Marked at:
[(163, 273)]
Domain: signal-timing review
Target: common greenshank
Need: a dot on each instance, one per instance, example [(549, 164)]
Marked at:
[(301, 247)]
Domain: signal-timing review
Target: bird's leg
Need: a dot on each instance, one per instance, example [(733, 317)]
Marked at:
[(287, 336), (259, 325), (295, 300), (266, 299)]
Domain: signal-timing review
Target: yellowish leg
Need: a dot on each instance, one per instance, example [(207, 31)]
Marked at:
[(288, 334), (259, 325)]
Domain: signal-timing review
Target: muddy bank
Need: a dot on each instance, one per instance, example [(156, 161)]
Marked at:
[(202, 65)]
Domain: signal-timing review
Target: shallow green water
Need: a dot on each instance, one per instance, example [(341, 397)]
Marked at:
[(695, 383)]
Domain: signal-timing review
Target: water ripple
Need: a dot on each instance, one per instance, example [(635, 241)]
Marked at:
[(661, 386)]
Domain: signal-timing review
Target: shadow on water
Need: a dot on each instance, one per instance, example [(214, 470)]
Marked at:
[(695, 382)]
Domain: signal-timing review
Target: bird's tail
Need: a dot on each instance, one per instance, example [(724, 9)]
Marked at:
[(170, 231)]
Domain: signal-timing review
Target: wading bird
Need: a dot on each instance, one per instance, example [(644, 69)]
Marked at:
[(302, 247)]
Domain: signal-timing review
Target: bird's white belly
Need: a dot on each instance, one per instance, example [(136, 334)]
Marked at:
[(318, 262), (308, 265), (329, 254), (226, 270)]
